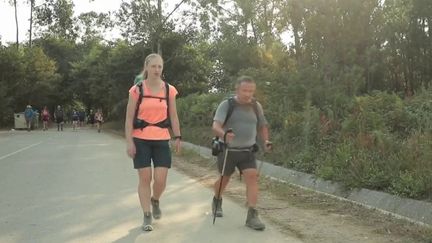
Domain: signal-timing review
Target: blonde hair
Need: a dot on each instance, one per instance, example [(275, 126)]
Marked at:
[(147, 61)]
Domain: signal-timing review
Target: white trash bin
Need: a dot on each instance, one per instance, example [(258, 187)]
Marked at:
[(20, 122)]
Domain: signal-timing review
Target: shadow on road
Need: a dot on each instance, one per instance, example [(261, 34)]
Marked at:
[(131, 236)]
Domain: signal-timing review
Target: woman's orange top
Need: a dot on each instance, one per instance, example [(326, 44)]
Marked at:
[(152, 110)]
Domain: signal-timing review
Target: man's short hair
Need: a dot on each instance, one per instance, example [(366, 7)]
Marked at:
[(244, 79)]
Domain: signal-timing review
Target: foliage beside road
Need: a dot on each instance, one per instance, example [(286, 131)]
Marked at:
[(377, 141)]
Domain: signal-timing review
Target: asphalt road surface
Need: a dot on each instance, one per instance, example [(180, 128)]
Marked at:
[(79, 186)]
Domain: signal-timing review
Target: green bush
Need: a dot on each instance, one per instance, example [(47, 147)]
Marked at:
[(377, 141), (305, 160), (412, 184), (415, 160), (118, 111), (378, 111), (6, 108), (419, 110), (198, 109), (356, 167), (198, 135)]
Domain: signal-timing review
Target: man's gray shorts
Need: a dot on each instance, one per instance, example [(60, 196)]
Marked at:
[(242, 159)]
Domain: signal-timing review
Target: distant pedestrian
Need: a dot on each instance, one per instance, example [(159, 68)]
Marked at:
[(81, 115), (75, 119), (28, 115), (45, 117), (90, 118), (99, 119), (59, 118)]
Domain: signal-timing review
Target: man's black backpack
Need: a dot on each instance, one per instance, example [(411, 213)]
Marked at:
[(231, 105), (216, 146), (140, 124)]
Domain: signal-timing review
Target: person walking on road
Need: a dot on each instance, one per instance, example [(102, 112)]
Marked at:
[(45, 118), (98, 117), (28, 115), (246, 121), (81, 115), (90, 118), (75, 119), (59, 118), (151, 111)]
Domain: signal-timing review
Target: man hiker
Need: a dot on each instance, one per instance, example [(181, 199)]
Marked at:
[(246, 120)]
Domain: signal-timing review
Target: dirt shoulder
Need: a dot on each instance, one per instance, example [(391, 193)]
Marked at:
[(308, 215)]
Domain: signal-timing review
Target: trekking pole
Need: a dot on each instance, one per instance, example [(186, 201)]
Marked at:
[(260, 166), (222, 174), (270, 146)]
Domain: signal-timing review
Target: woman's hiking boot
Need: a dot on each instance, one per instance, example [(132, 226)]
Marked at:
[(217, 207), (157, 213), (253, 221), (147, 222)]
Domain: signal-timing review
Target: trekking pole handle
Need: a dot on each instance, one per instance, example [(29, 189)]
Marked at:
[(268, 144), (230, 130)]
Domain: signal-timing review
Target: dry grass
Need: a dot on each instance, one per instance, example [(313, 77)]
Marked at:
[(307, 215)]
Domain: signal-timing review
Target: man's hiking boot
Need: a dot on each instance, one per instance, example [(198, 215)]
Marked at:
[(253, 221), (147, 224), (217, 207), (157, 214)]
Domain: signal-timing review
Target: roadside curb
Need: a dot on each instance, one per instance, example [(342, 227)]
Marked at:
[(415, 211)]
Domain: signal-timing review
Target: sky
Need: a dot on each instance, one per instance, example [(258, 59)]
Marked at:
[(7, 14)]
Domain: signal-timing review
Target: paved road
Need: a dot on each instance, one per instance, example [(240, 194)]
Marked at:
[(80, 187)]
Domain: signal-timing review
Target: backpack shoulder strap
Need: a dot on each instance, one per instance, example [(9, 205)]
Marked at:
[(140, 88), (141, 95), (255, 107), (231, 104), (167, 98)]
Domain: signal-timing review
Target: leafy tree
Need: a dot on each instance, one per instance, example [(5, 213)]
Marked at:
[(63, 52), (12, 69), (187, 63), (55, 18), (92, 25), (27, 77), (40, 81), (408, 41), (141, 22)]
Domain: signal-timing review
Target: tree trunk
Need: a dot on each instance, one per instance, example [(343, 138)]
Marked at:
[(158, 39), (16, 23), (31, 22), (254, 31), (297, 44), (429, 52)]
